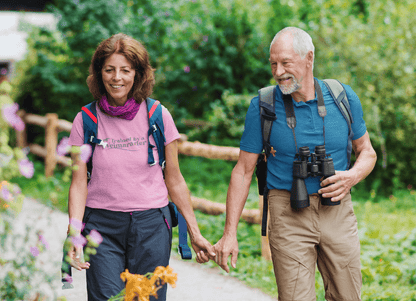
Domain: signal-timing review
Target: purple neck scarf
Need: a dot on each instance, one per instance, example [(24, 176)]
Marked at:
[(128, 111)]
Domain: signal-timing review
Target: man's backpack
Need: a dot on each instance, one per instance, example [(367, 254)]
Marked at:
[(268, 115), (156, 128)]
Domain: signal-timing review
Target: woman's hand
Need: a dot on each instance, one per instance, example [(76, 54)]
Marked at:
[(76, 258), (180, 195), (203, 249)]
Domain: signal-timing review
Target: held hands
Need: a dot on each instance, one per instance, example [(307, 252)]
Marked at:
[(341, 182), (203, 249), (226, 246)]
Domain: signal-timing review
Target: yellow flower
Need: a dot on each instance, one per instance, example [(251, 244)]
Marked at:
[(166, 275), (138, 286), (142, 287)]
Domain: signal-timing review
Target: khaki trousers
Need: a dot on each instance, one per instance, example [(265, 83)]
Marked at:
[(322, 235)]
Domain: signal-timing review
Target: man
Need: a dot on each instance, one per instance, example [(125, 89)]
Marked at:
[(318, 234)]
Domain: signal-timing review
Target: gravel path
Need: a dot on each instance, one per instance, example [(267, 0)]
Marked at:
[(195, 282)]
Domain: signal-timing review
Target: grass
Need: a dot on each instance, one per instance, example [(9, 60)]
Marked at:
[(384, 223)]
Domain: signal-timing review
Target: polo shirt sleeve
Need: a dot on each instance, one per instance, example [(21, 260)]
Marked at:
[(76, 137), (252, 141), (358, 126)]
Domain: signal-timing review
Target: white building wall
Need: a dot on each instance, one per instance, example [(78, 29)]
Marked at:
[(13, 36)]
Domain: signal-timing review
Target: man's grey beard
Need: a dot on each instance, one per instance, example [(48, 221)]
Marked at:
[(289, 89)]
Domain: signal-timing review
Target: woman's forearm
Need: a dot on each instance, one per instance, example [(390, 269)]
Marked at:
[(76, 202), (180, 196), (78, 190)]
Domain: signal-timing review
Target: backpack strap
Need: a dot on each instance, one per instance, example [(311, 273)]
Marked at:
[(90, 125), (156, 129), (338, 93), (183, 247), (267, 116)]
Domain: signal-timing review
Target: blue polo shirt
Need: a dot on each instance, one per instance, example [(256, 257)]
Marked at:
[(309, 132)]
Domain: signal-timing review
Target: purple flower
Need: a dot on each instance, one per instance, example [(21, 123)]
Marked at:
[(96, 237), (10, 116), (86, 152), (205, 38), (43, 241), (77, 224), (26, 168), (187, 69), (5, 194), (194, 88), (63, 147), (79, 240), (68, 278), (34, 251)]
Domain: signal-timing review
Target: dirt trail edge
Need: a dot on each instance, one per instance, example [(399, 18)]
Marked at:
[(195, 282)]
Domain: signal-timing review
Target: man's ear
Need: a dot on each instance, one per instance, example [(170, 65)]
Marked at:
[(309, 58)]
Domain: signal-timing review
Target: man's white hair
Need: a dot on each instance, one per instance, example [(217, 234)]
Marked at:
[(302, 41)]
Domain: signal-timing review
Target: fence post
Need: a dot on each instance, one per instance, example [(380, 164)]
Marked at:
[(265, 247), (21, 136), (51, 142)]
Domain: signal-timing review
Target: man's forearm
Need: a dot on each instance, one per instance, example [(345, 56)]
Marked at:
[(364, 164), (236, 199)]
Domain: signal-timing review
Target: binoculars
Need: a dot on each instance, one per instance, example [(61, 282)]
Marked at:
[(319, 165)]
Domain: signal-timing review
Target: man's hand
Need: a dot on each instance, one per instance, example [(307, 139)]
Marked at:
[(203, 249), (226, 246), (341, 182)]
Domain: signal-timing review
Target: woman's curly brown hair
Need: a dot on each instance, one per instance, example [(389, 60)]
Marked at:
[(135, 53)]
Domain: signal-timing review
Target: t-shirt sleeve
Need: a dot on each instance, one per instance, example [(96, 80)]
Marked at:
[(252, 140), (77, 132), (171, 132), (358, 126)]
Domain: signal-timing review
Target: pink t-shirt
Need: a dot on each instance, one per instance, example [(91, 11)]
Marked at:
[(121, 178)]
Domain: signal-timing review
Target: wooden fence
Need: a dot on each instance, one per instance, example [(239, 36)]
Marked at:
[(53, 125)]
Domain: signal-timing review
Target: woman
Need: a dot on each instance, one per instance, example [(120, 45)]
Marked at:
[(126, 199)]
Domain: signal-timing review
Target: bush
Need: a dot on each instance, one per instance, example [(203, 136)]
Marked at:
[(203, 48), (376, 58), (192, 44), (226, 119), (20, 275)]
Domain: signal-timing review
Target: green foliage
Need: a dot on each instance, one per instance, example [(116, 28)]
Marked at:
[(197, 54), (389, 264), (376, 58), (20, 275), (209, 179), (53, 191), (56, 67), (226, 121), (203, 48)]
